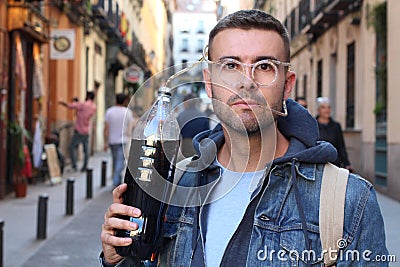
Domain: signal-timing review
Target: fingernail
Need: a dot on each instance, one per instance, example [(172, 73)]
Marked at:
[(133, 225), (136, 212)]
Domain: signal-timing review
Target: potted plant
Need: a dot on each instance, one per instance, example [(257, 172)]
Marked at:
[(18, 134)]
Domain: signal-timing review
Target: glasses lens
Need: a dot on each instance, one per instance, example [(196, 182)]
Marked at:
[(264, 72), (230, 72)]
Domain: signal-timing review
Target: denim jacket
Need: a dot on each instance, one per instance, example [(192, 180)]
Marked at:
[(278, 235)]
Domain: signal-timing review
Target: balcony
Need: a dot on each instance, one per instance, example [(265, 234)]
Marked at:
[(326, 14), (106, 16), (83, 7), (26, 17), (78, 11)]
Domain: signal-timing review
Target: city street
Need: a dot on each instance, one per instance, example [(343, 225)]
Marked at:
[(74, 240)]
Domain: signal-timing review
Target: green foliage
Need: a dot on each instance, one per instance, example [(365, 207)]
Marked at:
[(18, 133), (377, 18)]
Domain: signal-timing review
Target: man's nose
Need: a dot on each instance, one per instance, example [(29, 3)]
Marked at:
[(247, 81)]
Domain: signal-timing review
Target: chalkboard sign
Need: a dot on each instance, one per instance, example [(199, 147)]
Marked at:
[(53, 163)]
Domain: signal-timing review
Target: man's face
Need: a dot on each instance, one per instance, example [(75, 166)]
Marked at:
[(246, 106), (324, 110)]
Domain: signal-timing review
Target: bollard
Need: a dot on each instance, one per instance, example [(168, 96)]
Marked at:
[(89, 183), (70, 197), (103, 173), (42, 217), (1, 242)]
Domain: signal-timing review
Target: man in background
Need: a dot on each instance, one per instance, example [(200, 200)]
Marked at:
[(191, 122), (84, 113), (117, 132), (302, 101)]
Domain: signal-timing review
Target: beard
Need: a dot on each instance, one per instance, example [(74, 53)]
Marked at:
[(249, 121)]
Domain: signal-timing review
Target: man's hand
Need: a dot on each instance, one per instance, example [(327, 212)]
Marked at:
[(105, 147), (111, 222), (63, 103)]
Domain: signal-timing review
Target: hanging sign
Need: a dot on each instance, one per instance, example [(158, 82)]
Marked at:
[(133, 74), (62, 44)]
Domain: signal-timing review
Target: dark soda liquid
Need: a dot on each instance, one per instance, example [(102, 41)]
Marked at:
[(149, 165)]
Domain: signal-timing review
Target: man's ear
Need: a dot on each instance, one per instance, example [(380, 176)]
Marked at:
[(289, 84), (207, 82)]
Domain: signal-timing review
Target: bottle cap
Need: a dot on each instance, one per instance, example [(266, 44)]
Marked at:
[(164, 90)]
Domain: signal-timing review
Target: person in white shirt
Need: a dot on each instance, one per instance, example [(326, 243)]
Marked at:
[(117, 132)]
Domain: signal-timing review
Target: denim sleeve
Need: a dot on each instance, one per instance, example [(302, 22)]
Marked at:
[(126, 262), (366, 240)]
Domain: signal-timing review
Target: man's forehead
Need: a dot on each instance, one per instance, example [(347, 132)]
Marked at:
[(252, 42)]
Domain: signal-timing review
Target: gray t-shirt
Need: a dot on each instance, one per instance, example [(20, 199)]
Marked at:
[(232, 194)]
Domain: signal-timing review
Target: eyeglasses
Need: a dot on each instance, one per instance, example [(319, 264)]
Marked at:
[(232, 71)]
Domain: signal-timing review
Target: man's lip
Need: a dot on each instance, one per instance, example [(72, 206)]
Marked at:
[(245, 103)]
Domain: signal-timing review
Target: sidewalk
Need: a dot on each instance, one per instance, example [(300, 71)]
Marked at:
[(391, 216), (20, 215)]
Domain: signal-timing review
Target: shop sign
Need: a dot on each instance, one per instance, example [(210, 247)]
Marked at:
[(62, 44), (133, 74)]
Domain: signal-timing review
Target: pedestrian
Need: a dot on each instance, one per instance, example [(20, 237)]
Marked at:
[(331, 131), (302, 101), (191, 122), (270, 215), (84, 113), (117, 133)]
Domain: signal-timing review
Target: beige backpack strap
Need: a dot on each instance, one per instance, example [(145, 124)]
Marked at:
[(331, 210)]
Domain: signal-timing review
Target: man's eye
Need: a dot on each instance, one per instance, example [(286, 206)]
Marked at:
[(230, 65), (264, 67)]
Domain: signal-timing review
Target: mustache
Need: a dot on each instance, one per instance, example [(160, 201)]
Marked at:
[(247, 97)]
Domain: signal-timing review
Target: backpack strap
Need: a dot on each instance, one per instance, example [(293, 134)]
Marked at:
[(331, 210)]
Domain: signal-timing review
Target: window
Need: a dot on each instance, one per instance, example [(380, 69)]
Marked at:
[(305, 86), (200, 26), (293, 30), (332, 82), (200, 45), (185, 44), (184, 63), (350, 87), (185, 26), (319, 78)]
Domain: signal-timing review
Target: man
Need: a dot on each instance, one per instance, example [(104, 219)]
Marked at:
[(84, 112), (117, 132), (302, 101), (272, 210), (331, 131), (191, 122)]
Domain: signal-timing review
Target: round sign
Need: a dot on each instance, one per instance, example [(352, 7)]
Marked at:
[(133, 74), (62, 43)]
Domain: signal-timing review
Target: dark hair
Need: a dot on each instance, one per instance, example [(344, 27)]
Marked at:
[(251, 19), (120, 98), (90, 95), (300, 98)]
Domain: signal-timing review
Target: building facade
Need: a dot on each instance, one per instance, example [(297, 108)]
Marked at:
[(192, 21), (349, 51), (55, 50)]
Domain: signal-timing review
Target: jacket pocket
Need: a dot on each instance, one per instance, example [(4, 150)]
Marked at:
[(294, 249), (176, 248)]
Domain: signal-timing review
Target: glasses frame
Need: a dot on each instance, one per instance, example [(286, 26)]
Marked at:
[(274, 62)]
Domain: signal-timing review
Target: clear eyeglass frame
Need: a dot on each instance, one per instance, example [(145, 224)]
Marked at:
[(258, 66)]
